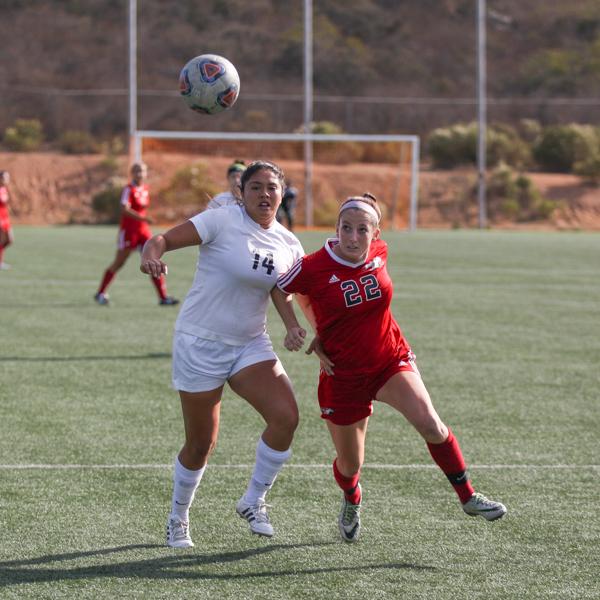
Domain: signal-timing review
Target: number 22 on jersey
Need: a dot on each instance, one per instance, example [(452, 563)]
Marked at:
[(353, 295)]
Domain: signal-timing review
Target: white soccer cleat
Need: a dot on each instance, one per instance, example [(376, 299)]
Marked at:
[(257, 517), (178, 534), (479, 505), (4, 266), (349, 520)]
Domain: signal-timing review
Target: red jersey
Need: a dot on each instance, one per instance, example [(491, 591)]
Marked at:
[(138, 199), (4, 215), (352, 307)]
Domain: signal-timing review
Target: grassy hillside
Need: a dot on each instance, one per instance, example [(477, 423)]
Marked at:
[(362, 48)]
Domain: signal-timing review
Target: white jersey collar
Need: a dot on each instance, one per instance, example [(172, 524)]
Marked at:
[(329, 243)]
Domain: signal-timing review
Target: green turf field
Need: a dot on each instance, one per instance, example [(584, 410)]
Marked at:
[(506, 328)]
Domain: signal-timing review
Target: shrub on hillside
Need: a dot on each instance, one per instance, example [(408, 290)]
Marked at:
[(560, 147), (385, 152), (451, 146), (589, 167), (505, 145), (112, 149), (457, 145), (326, 213), (107, 203), (515, 197), (26, 135), (338, 153), (190, 186), (529, 130), (77, 142)]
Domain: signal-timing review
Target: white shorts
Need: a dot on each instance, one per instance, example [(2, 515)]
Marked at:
[(200, 365)]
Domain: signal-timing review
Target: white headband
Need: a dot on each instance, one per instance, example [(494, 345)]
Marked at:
[(361, 205)]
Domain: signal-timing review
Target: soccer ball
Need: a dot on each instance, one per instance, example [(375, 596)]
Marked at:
[(209, 84)]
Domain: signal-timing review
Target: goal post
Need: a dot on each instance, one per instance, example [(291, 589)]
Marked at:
[(412, 140)]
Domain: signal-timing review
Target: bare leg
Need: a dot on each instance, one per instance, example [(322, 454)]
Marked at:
[(266, 387), (201, 412), (406, 392)]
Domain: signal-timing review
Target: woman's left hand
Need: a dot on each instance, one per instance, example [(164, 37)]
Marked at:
[(317, 347)]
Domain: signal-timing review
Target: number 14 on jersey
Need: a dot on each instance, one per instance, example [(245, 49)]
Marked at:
[(266, 262)]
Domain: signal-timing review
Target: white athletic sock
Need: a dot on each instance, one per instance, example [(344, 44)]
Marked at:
[(185, 482), (268, 464)]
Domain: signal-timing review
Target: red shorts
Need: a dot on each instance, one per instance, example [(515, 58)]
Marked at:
[(5, 223), (346, 399), (133, 238)]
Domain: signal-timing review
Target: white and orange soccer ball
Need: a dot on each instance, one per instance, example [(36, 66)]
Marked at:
[(209, 84)]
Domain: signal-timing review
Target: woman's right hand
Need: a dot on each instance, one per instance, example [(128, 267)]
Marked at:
[(294, 339), (317, 347), (153, 267)]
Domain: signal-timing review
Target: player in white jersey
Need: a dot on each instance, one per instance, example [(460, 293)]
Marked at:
[(232, 196), (220, 336)]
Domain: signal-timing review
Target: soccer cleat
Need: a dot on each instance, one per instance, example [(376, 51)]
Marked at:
[(168, 301), (4, 266), (478, 504), (178, 534), (101, 299), (349, 520), (257, 517)]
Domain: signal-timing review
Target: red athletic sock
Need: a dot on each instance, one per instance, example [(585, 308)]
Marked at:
[(106, 279), (449, 459), (349, 485), (161, 286), (1, 254)]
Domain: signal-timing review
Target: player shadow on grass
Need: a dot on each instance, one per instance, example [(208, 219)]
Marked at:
[(149, 355), (173, 565)]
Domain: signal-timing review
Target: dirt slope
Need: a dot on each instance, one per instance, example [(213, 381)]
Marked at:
[(51, 188)]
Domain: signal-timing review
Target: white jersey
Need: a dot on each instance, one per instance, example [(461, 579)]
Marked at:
[(223, 199), (238, 265)]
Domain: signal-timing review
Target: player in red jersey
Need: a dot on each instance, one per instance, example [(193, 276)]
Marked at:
[(364, 356), (134, 232), (6, 234)]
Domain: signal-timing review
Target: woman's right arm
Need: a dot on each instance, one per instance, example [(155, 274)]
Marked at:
[(295, 333), (180, 236)]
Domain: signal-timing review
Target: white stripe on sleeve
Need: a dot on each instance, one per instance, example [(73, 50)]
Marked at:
[(288, 277)]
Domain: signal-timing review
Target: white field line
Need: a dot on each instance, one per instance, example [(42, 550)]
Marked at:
[(374, 466), (47, 282)]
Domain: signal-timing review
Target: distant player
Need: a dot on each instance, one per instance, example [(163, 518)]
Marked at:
[(134, 232), (232, 196), (6, 234), (365, 357), (287, 209)]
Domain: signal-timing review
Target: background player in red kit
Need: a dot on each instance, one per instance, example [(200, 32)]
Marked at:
[(364, 356), (134, 232), (6, 235)]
